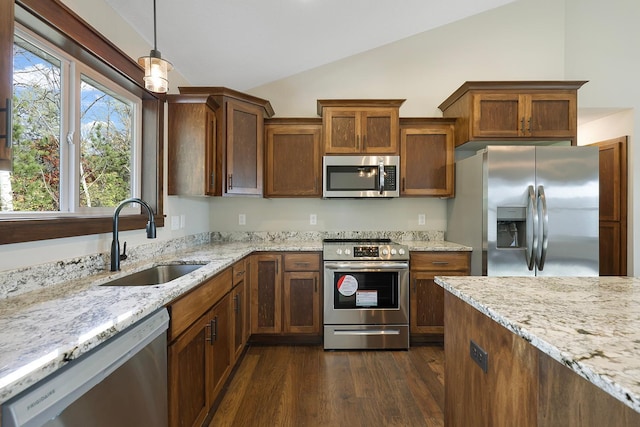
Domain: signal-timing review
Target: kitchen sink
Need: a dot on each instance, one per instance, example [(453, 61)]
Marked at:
[(156, 275)]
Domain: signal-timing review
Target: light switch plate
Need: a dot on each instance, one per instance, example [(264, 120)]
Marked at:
[(175, 222), (313, 219), (242, 219), (421, 219)]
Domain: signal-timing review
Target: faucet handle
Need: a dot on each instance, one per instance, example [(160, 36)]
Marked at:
[(123, 255)]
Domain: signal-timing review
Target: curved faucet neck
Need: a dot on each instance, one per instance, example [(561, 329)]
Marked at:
[(115, 244)]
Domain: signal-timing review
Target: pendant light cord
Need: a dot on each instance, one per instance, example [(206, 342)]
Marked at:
[(155, 46)]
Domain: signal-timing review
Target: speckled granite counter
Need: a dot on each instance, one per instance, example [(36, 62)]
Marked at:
[(591, 325), (51, 314)]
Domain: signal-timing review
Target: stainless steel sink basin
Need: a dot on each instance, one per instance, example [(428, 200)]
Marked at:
[(156, 275)]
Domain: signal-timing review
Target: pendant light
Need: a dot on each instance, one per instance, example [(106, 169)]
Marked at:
[(155, 68)]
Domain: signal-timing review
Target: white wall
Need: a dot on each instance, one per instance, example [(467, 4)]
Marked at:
[(602, 46), (424, 69)]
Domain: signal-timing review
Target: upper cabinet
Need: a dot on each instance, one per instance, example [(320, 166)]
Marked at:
[(528, 110), (293, 166), (427, 157), (240, 139), (192, 146), (368, 126), (6, 82)]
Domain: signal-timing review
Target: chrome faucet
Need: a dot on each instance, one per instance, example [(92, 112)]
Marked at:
[(115, 244)]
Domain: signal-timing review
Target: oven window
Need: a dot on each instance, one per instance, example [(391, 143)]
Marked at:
[(352, 178), (365, 290)]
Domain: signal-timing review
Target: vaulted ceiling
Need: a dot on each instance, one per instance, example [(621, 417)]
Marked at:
[(247, 43)]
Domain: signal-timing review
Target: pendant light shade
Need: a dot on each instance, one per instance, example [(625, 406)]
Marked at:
[(155, 68)]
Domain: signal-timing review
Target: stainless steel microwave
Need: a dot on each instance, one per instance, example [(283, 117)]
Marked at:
[(360, 176)]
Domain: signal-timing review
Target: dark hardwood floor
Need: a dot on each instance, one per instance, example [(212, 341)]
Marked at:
[(307, 386)]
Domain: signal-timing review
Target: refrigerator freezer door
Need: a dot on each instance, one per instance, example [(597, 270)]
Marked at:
[(569, 178), (509, 172)]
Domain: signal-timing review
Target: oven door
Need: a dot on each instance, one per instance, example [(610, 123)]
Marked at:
[(366, 293)]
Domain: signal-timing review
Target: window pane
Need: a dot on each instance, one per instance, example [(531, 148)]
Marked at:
[(106, 146), (34, 183)]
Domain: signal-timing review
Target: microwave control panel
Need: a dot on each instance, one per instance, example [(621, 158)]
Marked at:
[(390, 178)]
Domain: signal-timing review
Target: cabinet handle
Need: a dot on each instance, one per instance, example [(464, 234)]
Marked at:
[(213, 179), (7, 136), (522, 125), (214, 330), (440, 262), (230, 181), (302, 264), (529, 125)]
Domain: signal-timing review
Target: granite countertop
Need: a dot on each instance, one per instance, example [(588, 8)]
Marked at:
[(53, 314), (591, 324)]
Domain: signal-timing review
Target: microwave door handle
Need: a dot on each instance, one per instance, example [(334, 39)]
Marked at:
[(381, 176)]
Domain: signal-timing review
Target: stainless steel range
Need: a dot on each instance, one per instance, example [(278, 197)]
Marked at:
[(366, 294)]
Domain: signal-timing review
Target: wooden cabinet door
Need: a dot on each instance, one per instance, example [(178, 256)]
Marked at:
[(245, 154), (238, 300), (302, 302), (6, 81), (189, 362), (192, 162), (293, 160), (379, 130), (266, 293), (497, 115), (426, 300), (342, 131), (551, 115), (427, 160), (220, 342)]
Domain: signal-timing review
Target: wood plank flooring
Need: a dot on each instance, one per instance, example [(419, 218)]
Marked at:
[(307, 386)]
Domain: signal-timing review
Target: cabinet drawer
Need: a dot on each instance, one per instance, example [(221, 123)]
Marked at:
[(302, 262), (190, 307), (440, 261), (239, 271)]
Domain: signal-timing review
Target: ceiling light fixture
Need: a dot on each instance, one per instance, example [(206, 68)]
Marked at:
[(155, 68)]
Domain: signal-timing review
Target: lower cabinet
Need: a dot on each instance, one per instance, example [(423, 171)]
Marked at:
[(200, 350), (286, 296), (426, 300)]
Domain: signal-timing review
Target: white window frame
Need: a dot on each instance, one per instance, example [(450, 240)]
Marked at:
[(71, 72)]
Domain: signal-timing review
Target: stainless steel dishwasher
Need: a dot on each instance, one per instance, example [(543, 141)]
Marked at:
[(123, 382)]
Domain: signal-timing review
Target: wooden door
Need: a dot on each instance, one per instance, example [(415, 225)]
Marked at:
[(551, 115), (245, 155), (266, 294), (188, 360), (380, 131), (497, 115), (302, 302), (220, 342), (6, 81), (341, 131), (613, 206), (293, 160), (427, 160), (238, 301)]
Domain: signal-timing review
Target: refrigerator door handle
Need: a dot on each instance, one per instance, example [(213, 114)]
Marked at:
[(532, 229), (543, 228)]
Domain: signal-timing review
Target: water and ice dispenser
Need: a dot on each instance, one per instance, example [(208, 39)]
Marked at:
[(511, 227)]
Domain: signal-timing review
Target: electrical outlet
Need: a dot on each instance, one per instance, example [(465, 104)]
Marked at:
[(479, 356), (242, 219), (421, 219), (313, 219), (175, 222)]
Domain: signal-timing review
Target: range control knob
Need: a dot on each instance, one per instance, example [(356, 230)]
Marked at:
[(347, 251), (393, 251), (401, 251), (339, 251), (385, 251)]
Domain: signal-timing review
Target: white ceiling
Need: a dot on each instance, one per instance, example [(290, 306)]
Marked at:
[(242, 44)]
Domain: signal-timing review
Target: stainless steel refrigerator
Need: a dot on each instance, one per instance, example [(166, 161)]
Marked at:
[(528, 210)]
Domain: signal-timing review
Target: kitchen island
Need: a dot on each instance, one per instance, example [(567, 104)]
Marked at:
[(548, 351)]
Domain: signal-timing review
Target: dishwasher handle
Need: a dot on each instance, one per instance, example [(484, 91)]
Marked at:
[(53, 394)]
